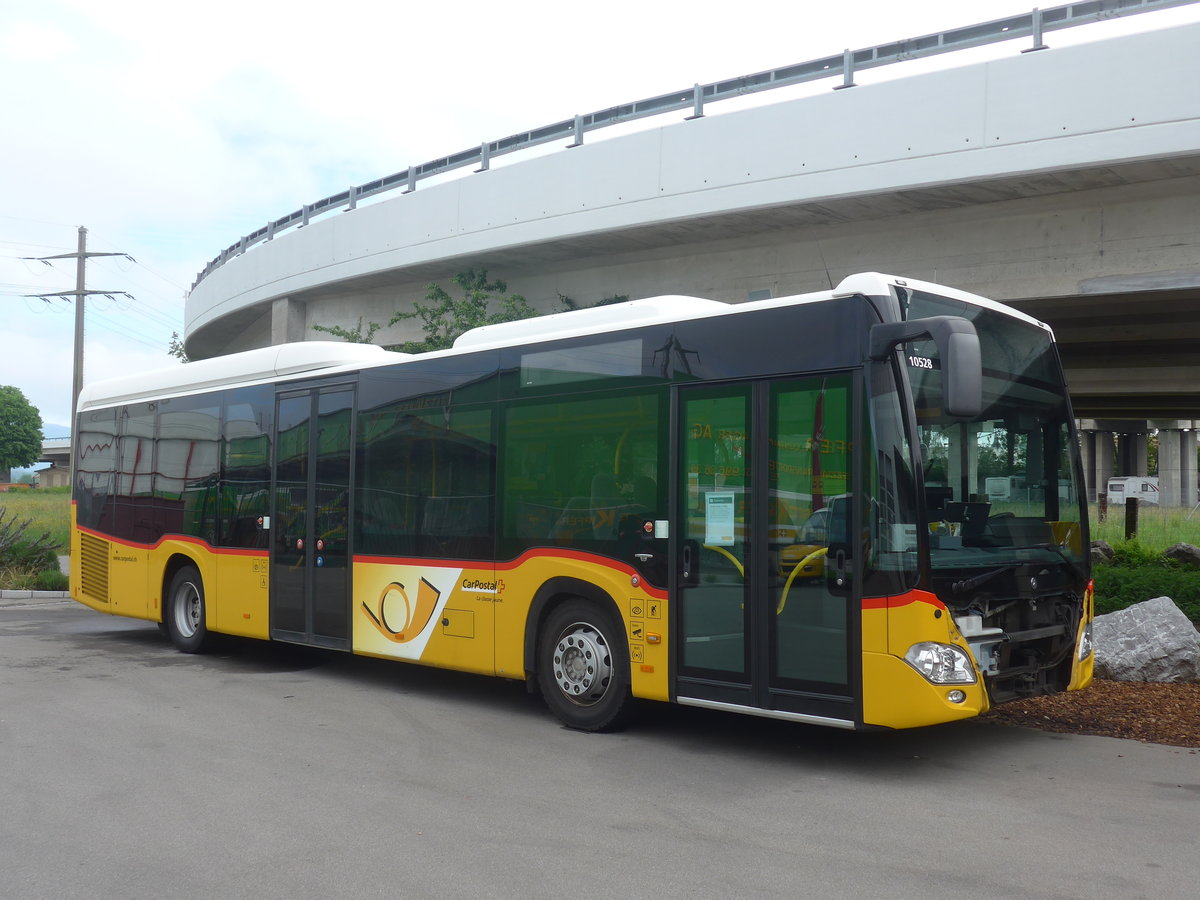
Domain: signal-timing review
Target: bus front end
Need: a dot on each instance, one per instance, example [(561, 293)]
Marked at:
[(1000, 606)]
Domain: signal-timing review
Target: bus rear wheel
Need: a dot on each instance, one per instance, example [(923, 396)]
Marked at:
[(184, 612), (583, 667)]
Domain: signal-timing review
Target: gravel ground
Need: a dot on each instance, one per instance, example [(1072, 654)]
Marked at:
[(1153, 713)]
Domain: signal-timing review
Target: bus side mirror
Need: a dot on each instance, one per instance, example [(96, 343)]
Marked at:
[(958, 349)]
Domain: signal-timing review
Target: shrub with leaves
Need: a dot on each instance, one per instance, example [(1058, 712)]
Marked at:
[(1138, 573), (20, 551), (445, 317)]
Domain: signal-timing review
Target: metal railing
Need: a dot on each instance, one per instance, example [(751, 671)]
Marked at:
[(1032, 25)]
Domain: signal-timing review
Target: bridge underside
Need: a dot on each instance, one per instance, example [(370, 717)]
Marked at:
[(1129, 334), (1133, 356), (1056, 181)]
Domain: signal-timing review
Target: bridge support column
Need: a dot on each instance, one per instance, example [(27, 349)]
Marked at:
[(1103, 461), (1177, 470), (287, 320), (1087, 450), (1189, 469), (1132, 456), (1170, 486)]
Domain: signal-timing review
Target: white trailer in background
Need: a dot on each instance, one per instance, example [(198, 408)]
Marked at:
[(1141, 487)]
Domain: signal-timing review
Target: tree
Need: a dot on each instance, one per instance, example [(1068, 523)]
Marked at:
[(353, 335), (175, 348), (20, 430), (444, 318), (570, 305)]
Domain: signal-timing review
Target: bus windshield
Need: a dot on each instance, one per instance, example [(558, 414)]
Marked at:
[(1005, 487)]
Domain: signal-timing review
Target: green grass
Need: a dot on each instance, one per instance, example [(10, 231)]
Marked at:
[(1158, 527), (35, 527), (49, 510)]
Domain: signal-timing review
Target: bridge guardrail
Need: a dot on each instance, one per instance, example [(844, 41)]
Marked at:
[(1032, 24)]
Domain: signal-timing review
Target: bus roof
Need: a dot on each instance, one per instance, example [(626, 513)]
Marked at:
[(268, 364), (596, 319), (247, 367)]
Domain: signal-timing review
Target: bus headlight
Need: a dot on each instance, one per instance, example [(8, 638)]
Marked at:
[(1086, 647), (941, 663)]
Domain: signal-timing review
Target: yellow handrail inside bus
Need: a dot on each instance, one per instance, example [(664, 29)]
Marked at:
[(787, 585), (741, 569)]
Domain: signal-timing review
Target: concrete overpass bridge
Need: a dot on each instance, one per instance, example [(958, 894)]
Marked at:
[(1064, 182)]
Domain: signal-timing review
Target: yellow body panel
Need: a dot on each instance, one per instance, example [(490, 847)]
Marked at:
[(475, 618), (241, 595), (427, 612), (235, 581), (1083, 671), (470, 617), (895, 695)]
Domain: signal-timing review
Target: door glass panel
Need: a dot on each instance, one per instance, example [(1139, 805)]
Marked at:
[(332, 466), (808, 473), (715, 499), (291, 531)]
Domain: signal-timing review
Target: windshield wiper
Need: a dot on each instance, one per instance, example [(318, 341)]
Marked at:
[(1057, 548), (969, 584)]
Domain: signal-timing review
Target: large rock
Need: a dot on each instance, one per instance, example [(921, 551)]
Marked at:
[(1102, 552), (1184, 553), (1151, 641)]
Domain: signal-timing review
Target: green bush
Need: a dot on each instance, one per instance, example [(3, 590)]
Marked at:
[(50, 580), (22, 557), (1138, 573)]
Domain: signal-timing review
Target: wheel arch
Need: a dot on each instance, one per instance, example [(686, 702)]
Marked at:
[(174, 563), (550, 595)]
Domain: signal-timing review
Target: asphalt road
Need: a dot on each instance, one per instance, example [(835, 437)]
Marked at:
[(130, 770)]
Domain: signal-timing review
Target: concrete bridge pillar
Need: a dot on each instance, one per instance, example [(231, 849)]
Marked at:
[(1177, 469), (1190, 470), (1170, 487), (1087, 450), (1098, 457), (287, 320), (1132, 455)]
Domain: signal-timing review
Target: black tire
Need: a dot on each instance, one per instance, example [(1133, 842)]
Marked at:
[(583, 666), (184, 611)]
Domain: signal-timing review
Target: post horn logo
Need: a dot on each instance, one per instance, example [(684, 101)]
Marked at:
[(397, 617)]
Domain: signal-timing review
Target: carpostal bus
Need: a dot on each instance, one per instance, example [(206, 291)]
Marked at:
[(770, 507)]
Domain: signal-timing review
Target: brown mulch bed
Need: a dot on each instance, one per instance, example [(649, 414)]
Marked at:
[(1154, 713)]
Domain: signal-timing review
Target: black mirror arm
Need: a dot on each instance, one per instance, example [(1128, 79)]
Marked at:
[(958, 347), (886, 335)]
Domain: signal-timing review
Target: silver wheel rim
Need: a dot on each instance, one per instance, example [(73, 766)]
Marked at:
[(188, 609), (582, 664)]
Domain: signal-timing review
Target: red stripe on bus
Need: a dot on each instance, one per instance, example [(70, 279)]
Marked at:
[(899, 600), (181, 538), (537, 552)]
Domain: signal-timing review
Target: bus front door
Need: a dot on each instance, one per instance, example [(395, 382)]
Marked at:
[(761, 603), (310, 573)]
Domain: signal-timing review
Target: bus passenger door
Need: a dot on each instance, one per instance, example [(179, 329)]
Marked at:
[(762, 588), (310, 573)]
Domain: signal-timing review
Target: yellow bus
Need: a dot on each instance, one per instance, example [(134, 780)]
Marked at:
[(777, 507)]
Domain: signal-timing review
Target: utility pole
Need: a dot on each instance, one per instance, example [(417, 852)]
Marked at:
[(81, 257)]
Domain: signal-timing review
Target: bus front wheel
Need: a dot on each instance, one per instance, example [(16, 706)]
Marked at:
[(184, 613), (583, 667)]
